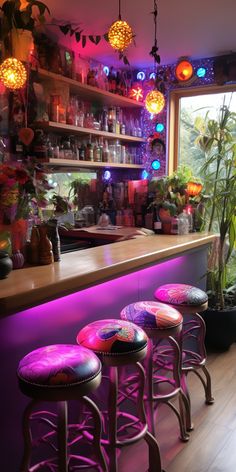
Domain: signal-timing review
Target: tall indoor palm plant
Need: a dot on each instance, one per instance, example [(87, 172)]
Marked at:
[(217, 137)]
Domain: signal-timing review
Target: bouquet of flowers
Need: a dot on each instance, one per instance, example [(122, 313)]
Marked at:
[(23, 190)]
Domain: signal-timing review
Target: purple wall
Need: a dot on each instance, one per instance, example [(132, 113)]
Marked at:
[(58, 322)]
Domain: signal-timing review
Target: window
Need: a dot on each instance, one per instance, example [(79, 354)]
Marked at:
[(185, 106)]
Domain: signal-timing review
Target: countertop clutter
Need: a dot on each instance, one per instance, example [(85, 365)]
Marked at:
[(32, 286)]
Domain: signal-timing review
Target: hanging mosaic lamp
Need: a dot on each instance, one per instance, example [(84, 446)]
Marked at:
[(120, 34), (184, 71), (154, 102), (13, 74)]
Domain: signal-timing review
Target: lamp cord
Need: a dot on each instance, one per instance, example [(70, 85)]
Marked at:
[(119, 16), (155, 22)]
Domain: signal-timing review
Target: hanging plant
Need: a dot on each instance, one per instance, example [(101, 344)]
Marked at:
[(68, 29)]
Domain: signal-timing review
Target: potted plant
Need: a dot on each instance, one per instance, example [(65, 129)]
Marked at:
[(180, 192), (217, 138), (18, 23)]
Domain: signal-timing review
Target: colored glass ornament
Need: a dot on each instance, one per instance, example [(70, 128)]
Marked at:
[(184, 71), (136, 93)]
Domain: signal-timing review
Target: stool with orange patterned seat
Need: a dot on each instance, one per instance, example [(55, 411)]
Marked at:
[(163, 325), (121, 345), (190, 301)]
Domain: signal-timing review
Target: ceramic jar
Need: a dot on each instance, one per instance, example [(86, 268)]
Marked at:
[(5, 264)]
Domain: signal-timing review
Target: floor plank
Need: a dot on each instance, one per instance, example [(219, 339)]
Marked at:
[(212, 444)]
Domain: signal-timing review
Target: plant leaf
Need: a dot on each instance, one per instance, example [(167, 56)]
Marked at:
[(84, 39)]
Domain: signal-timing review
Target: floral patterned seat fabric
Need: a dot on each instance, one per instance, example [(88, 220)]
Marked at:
[(152, 315), (112, 336), (59, 365), (181, 294)]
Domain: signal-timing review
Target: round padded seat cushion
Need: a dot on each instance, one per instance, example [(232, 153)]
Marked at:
[(181, 294), (112, 336), (59, 365), (152, 315)]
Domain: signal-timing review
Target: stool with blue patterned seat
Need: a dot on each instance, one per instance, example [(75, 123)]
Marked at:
[(120, 345), (190, 301), (163, 326), (57, 374)]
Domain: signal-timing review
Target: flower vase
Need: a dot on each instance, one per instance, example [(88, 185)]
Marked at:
[(17, 260), (18, 234), (22, 44)]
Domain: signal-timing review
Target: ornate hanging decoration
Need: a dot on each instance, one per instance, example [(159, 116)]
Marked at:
[(13, 74), (120, 34), (155, 100)]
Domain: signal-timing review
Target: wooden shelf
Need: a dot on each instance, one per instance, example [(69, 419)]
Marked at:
[(92, 93), (64, 128), (90, 164)]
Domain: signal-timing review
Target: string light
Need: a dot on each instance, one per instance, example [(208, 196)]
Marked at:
[(154, 102), (120, 34), (13, 74)]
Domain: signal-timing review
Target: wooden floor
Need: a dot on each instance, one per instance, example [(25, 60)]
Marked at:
[(212, 445)]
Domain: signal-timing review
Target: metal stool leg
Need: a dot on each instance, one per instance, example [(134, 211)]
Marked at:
[(62, 436), (97, 419), (112, 415), (25, 464)]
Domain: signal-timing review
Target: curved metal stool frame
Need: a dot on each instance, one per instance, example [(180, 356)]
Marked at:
[(194, 331), (161, 359), (121, 388), (60, 430)]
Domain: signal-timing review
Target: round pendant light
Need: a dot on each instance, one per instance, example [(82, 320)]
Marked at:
[(154, 102), (120, 35), (13, 74)]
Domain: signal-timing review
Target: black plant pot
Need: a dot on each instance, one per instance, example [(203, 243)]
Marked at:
[(220, 328)]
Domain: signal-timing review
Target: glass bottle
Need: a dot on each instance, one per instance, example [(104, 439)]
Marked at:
[(52, 232), (157, 224), (33, 247)]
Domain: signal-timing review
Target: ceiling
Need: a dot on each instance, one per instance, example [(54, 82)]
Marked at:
[(190, 28)]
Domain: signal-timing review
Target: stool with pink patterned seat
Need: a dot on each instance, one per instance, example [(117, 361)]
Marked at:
[(190, 301), (57, 374), (121, 345), (163, 325)]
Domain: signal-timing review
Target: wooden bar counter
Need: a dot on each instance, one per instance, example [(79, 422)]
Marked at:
[(31, 286), (50, 304)]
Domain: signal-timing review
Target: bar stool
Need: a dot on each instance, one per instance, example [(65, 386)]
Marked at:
[(163, 325), (59, 373), (121, 344), (190, 301)]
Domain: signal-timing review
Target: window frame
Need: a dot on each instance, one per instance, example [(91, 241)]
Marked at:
[(173, 117)]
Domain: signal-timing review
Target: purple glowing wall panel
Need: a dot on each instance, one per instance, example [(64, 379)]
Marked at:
[(59, 321)]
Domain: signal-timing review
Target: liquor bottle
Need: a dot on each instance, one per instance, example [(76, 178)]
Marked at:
[(157, 224), (33, 247), (52, 232)]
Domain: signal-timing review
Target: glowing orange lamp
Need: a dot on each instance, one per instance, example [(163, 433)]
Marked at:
[(184, 71), (13, 73), (120, 34), (154, 102)]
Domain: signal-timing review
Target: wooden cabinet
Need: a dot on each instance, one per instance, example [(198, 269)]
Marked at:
[(97, 97)]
